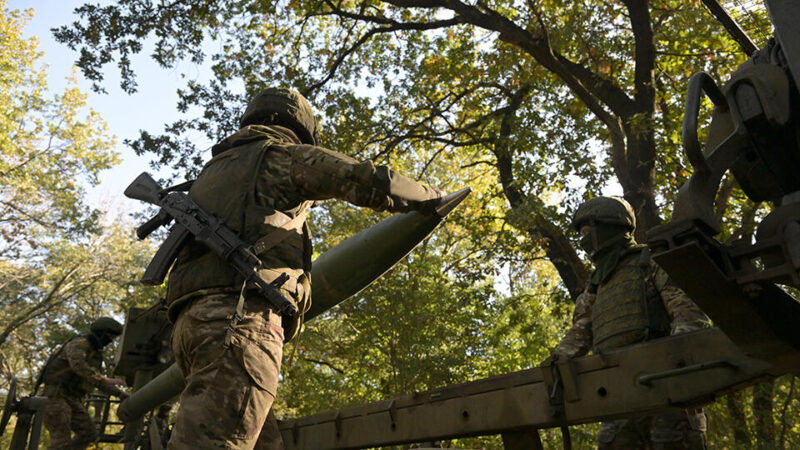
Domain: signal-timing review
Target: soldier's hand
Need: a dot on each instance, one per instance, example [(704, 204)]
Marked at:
[(109, 387), (550, 360), (122, 394), (428, 207), (114, 382)]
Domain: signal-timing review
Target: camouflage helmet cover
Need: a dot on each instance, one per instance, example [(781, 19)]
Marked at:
[(106, 324), (285, 107), (611, 210)]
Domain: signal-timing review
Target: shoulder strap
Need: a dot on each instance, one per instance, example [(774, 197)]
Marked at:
[(277, 236), (644, 257), (40, 378), (182, 187)]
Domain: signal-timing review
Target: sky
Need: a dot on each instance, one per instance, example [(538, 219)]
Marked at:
[(148, 109)]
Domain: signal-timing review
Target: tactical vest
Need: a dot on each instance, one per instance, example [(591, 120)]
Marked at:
[(57, 371), (628, 308), (229, 188)]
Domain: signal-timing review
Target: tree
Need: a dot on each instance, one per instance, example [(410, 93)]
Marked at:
[(60, 264), (551, 94), (47, 148)]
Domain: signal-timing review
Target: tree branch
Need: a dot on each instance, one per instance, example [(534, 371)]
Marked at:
[(391, 26), (556, 245), (324, 363)]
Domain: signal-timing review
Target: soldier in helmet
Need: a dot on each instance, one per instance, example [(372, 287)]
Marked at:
[(228, 340), (71, 374), (629, 299)]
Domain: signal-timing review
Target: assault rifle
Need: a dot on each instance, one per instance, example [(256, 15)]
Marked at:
[(192, 221)]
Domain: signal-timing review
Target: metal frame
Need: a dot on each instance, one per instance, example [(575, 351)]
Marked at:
[(675, 372)]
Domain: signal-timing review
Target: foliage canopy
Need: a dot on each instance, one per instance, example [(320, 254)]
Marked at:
[(62, 263)]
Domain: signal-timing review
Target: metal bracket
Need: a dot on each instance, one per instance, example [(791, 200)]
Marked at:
[(337, 422), (295, 432), (647, 379), (777, 246), (569, 380), (393, 414), (555, 394)]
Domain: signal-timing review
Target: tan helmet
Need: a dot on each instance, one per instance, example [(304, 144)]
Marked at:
[(286, 107), (611, 210), (106, 324)]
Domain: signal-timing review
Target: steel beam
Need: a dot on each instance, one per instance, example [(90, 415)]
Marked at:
[(677, 371)]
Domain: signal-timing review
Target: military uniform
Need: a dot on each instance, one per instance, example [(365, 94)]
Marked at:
[(630, 299), (260, 182), (674, 311), (69, 376)]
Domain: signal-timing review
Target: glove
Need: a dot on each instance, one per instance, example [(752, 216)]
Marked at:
[(427, 207), (553, 359), (109, 386), (121, 394), (114, 381)]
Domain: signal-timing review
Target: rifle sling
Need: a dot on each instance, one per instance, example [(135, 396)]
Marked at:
[(237, 317), (182, 187)]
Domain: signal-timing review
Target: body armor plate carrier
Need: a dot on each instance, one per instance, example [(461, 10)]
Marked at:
[(628, 308), (227, 187), (57, 371)]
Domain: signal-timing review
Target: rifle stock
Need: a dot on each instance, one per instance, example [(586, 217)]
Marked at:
[(144, 188)]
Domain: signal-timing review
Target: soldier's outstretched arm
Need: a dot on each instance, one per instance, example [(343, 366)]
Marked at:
[(322, 174), (684, 314), (578, 339)]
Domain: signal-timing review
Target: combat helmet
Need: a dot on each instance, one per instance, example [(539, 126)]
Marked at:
[(285, 107), (610, 210), (107, 325)]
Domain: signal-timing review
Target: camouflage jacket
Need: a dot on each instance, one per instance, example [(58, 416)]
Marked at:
[(262, 178), (683, 313), (76, 368)]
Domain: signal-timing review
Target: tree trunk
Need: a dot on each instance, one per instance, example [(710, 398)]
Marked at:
[(763, 416), (741, 433), (527, 439), (641, 173)]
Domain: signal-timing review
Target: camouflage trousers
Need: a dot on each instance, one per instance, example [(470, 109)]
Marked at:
[(229, 391), (666, 431), (65, 414)]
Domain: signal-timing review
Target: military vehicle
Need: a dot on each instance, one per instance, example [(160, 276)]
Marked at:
[(754, 133)]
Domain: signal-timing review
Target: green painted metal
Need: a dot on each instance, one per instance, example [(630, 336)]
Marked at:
[(356, 262), (161, 389), (673, 372)]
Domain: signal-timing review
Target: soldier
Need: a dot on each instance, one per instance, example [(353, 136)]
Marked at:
[(69, 376), (227, 339), (629, 299)]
